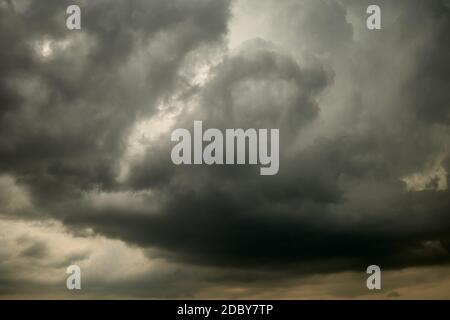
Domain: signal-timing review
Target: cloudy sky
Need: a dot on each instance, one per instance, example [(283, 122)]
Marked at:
[(86, 176)]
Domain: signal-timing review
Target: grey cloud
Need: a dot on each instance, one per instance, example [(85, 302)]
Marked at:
[(35, 250), (358, 111), (64, 120)]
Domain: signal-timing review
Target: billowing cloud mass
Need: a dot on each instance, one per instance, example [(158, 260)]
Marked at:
[(86, 175)]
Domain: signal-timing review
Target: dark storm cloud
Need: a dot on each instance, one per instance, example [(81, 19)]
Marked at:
[(338, 202), (35, 250), (64, 119)]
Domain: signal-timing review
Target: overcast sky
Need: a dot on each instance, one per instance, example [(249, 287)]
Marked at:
[(86, 176)]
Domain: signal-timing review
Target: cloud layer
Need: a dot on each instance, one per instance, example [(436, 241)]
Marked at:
[(86, 117)]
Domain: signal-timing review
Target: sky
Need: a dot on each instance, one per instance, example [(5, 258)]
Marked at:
[(86, 176)]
